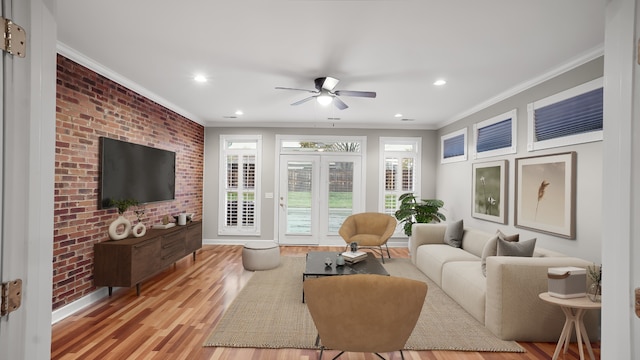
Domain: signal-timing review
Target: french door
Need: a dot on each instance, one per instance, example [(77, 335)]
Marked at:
[(316, 193)]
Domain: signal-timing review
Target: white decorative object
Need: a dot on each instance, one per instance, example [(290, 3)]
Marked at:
[(113, 228), (182, 219), (163, 226), (139, 230)]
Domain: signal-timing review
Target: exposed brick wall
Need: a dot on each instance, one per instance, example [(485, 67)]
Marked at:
[(89, 106)]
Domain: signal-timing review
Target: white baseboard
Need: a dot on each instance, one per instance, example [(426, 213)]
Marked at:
[(68, 310)]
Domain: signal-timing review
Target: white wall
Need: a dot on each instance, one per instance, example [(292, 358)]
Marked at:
[(454, 179), (212, 176)]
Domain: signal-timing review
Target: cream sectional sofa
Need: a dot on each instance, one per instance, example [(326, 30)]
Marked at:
[(506, 300)]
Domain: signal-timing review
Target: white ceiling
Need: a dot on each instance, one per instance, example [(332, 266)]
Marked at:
[(485, 50)]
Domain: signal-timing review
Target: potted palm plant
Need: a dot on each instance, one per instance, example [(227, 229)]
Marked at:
[(413, 210)]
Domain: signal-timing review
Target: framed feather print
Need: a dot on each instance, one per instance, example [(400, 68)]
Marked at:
[(546, 194)]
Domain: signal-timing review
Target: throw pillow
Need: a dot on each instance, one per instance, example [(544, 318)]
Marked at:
[(491, 248), (512, 238), (523, 248), (453, 234)]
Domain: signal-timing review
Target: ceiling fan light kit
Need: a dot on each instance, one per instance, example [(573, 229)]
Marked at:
[(324, 100), (325, 94)]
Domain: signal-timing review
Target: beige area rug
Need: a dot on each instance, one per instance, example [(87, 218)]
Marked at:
[(269, 313)]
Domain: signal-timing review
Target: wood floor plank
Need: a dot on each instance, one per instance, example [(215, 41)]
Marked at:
[(177, 310)]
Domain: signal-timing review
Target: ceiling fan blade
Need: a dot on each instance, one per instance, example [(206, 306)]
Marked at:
[(339, 103), (287, 88), (368, 94), (325, 83), (303, 100)]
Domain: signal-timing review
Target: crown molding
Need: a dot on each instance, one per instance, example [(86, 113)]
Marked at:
[(569, 65), (93, 65)]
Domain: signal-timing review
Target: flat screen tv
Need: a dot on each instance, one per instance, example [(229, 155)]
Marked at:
[(133, 171)]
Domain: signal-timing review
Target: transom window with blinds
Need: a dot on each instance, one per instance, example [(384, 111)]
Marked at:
[(239, 188), (400, 171), (496, 136), (571, 117), (454, 146)]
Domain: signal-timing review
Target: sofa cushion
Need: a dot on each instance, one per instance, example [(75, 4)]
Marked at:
[(524, 248), (473, 241), (431, 258), (453, 234), (464, 283)]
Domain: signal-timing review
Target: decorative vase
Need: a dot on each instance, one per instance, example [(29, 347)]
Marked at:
[(328, 262), (339, 260), (113, 228), (353, 246), (595, 292), (139, 230)]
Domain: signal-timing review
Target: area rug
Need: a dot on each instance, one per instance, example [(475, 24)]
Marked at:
[(269, 313)]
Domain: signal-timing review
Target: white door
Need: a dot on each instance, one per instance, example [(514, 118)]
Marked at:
[(28, 141), (298, 198), (317, 192)]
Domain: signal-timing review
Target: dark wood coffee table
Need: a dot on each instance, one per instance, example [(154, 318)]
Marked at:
[(316, 267)]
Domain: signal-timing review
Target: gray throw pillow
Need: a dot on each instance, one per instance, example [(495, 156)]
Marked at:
[(453, 234), (512, 238), (491, 248), (523, 248)]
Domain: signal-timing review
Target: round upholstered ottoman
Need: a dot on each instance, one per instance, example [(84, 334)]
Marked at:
[(260, 255)]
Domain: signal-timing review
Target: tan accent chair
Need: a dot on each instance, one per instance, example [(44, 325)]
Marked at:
[(364, 312), (369, 230)]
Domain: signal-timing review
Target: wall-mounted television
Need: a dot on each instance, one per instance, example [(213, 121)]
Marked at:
[(133, 171)]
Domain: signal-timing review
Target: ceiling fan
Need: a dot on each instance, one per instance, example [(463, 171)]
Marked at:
[(326, 95)]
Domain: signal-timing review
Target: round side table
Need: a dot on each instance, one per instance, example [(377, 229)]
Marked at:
[(574, 310)]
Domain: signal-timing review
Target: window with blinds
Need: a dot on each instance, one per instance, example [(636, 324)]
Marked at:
[(454, 146), (496, 136), (571, 117), (240, 208), (400, 171)]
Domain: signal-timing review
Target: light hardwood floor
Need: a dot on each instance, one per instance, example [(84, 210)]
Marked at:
[(179, 308)]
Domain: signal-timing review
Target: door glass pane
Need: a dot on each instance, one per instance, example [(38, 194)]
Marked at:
[(299, 196), (340, 193), (321, 146)]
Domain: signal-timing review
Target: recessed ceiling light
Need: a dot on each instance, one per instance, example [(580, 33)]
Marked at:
[(439, 82), (398, 115), (239, 112), (200, 78)]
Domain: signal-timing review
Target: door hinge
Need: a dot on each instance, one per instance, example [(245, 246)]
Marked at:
[(11, 296), (15, 38)]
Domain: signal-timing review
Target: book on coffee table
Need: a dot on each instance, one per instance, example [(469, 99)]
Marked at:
[(354, 257)]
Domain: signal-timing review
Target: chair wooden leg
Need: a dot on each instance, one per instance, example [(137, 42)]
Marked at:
[(388, 253), (337, 356)]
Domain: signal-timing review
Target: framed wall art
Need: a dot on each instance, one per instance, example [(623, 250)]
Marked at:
[(546, 194), (490, 191)]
